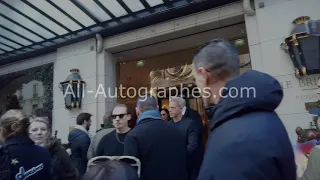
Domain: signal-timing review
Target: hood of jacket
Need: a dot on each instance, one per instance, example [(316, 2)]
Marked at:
[(75, 134), (251, 91), (52, 142)]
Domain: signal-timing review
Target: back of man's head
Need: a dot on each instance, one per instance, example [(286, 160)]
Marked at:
[(107, 121), (146, 103), (219, 57), (83, 117)]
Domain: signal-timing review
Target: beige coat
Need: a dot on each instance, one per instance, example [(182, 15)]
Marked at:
[(312, 171)]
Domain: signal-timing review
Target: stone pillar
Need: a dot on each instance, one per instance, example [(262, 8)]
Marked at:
[(97, 70), (266, 30)]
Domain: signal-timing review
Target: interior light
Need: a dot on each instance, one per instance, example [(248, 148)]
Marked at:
[(239, 42), (140, 63)]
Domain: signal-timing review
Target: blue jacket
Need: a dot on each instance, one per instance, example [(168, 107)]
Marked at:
[(248, 140), (24, 159), (79, 144)]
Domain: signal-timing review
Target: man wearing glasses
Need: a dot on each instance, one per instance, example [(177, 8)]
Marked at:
[(112, 144)]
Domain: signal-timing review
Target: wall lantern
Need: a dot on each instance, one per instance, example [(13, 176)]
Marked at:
[(303, 46), (72, 89)]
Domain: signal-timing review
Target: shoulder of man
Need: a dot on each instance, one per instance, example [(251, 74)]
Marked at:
[(187, 119), (106, 136)]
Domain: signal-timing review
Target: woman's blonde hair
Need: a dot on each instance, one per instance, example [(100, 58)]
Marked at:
[(17, 118), (42, 120)]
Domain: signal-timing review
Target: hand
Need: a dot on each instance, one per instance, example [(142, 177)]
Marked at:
[(69, 151)]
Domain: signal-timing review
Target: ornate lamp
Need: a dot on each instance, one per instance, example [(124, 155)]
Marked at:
[(72, 89), (303, 46)]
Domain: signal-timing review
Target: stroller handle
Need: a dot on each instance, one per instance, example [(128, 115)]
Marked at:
[(93, 161)]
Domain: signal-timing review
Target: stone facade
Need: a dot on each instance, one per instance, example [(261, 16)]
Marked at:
[(95, 69), (266, 30)]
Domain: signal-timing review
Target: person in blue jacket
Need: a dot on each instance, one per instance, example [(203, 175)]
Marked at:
[(20, 158), (247, 140), (79, 141)]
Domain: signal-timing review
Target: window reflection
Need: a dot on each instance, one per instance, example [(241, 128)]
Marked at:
[(31, 97), (30, 90)]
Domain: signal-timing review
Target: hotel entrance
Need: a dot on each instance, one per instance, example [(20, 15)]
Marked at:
[(170, 73)]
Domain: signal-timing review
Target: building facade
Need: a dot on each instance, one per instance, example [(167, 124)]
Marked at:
[(263, 23)]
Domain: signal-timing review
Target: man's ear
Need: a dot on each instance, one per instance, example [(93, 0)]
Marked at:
[(137, 111), (206, 76), (14, 127)]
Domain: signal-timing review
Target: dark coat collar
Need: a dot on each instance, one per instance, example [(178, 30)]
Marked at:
[(147, 120), (186, 114), (18, 139)]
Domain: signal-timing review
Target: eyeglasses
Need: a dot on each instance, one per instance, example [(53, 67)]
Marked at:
[(163, 114), (114, 116)]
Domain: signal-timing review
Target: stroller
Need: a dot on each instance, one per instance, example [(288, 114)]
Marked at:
[(132, 161)]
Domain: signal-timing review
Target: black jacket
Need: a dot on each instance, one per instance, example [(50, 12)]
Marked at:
[(161, 149), (195, 116), (193, 139), (79, 144), (62, 167), (24, 160)]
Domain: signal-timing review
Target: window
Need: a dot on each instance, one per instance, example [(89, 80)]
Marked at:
[(34, 108), (35, 90), (20, 95)]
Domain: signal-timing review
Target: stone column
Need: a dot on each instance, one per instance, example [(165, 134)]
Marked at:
[(97, 70), (266, 30)]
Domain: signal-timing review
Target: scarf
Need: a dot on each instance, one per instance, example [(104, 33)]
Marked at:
[(81, 128), (151, 114)]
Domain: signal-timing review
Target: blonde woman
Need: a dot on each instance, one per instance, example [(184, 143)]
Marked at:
[(19, 157), (40, 133)]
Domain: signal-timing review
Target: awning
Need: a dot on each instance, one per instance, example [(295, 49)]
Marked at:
[(29, 28)]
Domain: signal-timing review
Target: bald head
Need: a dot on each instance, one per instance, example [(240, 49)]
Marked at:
[(147, 102), (219, 57)]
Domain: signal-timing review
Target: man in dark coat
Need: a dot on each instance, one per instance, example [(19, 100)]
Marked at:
[(160, 147), (247, 139), (79, 141), (192, 135), (112, 144)]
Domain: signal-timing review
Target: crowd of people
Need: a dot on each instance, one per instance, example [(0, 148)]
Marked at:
[(247, 140)]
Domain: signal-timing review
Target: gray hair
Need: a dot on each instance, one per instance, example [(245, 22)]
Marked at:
[(147, 102), (107, 119), (219, 57), (179, 100), (122, 105)]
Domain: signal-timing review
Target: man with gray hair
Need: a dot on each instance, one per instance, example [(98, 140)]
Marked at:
[(191, 133), (108, 127), (160, 147), (247, 139)]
